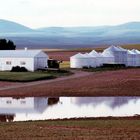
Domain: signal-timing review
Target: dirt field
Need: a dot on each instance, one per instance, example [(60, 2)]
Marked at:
[(79, 129), (109, 83)]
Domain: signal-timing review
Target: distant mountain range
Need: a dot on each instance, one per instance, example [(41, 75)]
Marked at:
[(70, 37)]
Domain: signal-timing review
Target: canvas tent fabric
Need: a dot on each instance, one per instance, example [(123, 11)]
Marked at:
[(98, 57), (120, 54), (82, 60), (131, 58), (111, 55), (30, 59), (108, 58), (137, 57)]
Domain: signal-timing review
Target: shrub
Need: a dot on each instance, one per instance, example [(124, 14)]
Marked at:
[(18, 69)]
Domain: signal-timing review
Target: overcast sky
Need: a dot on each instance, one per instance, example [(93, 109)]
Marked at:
[(38, 13)]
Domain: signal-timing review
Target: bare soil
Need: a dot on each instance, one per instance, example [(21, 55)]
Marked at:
[(110, 83), (73, 129)]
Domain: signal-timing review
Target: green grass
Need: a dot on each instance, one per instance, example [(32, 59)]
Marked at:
[(31, 76), (99, 129), (65, 64)]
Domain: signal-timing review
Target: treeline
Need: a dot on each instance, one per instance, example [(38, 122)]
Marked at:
[(7, 45)]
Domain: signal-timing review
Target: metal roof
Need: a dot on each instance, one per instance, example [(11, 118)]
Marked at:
[(20, 53)]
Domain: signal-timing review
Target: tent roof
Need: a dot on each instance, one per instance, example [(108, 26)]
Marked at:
[(93, 53), (107, 54), (121, 49), (20, 53), (78, 55), (130, 52), (136, 51), (115, 49)]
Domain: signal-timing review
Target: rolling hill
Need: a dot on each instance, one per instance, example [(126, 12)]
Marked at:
[(70, 37)]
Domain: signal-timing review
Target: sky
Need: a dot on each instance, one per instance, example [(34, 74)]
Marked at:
[(46, 13)]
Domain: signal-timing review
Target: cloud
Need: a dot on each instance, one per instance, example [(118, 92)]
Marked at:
[(70, 12)]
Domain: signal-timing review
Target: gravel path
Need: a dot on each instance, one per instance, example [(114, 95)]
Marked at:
[(77, 74)]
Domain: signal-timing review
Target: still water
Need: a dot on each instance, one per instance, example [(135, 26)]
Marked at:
[(38, 108)]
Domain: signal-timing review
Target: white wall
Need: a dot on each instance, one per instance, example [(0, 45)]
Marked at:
[(29, 63), (40, 62)]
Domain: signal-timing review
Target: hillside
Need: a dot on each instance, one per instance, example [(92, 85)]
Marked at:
[(70, 37), (12, 27)]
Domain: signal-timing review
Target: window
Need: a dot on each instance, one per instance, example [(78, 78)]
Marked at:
[(22, 63), (8, 102), (23, 102), (8, 62)]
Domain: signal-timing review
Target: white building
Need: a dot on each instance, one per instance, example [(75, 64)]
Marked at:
[(120, 54), (137, 57), (131, 58), (111, 55), (98, 57), (30, 59)]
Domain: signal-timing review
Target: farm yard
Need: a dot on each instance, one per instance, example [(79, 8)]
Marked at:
[(107, 83)]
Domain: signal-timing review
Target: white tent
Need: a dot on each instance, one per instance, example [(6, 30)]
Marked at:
[(137, 57), (120, 54), (79, 61), (91, 60), (98, 57), (30, 59), (131, 58), (108, 58)]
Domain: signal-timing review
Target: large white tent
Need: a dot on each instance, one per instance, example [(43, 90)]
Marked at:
[(98, 57), (120, 54), (108, 57), (111, 55), (80, 60), (137, 57), (131, 58), (91, 60)]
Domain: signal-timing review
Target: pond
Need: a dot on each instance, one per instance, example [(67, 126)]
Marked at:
[(42, 108)]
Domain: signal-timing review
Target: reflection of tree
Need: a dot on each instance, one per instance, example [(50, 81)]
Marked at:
[(110, 101), (52, 101), (6, 118)]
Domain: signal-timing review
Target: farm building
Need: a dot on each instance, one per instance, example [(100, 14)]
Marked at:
[(120, 54), (30, 59), (111, 55)]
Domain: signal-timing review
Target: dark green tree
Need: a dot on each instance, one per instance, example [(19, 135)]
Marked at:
[(7, 45)]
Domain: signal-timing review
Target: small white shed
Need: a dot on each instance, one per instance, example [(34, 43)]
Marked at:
[(30, 59)]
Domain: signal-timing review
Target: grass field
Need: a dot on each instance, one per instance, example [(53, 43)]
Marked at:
[(82, 129), (31, 76), (65, 65)]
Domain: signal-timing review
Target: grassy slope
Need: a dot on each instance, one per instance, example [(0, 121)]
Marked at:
[(99, 129), (30, 76)]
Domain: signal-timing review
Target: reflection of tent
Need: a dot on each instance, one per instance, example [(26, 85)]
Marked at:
[(120, 54), (110, 101), (6, 118), (8, 105)]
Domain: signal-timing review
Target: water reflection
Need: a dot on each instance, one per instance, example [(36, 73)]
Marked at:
[(113, 102), (40, 108)]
